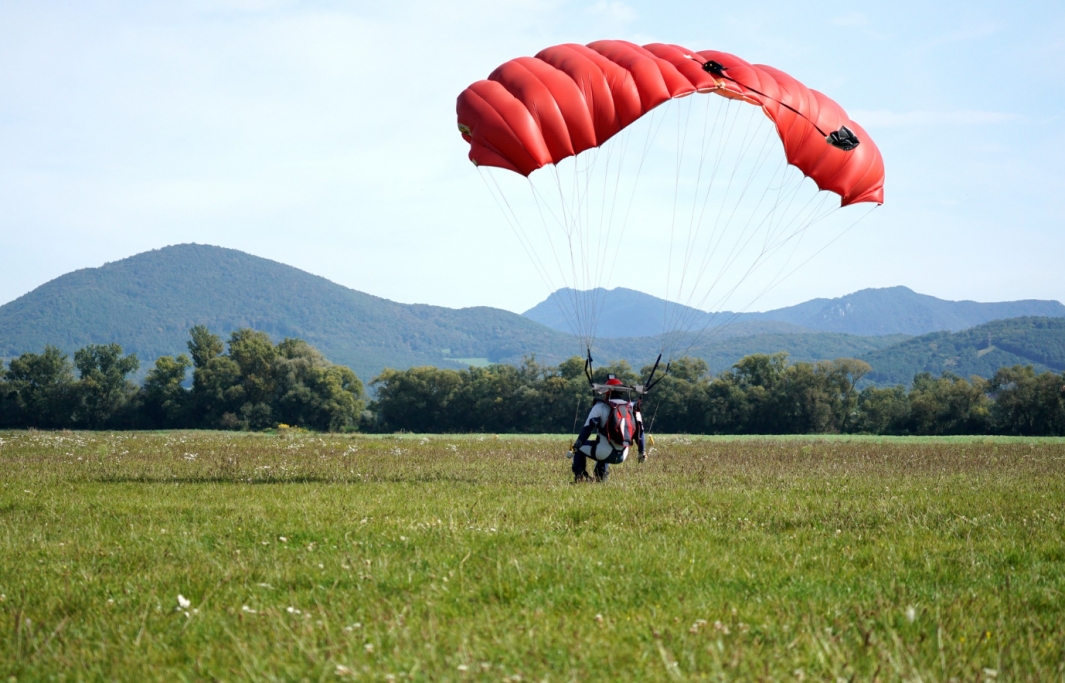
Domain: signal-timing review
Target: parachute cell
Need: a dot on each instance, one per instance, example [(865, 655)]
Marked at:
[(535, 111)]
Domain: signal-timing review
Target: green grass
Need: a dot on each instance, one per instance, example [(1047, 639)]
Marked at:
[(310, 557)]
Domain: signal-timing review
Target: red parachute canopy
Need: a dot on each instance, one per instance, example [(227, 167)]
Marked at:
[(535, 111)]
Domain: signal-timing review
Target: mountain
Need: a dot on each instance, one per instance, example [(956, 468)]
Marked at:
[(625, 312), (892, 310), (148, 302), (981, 350)]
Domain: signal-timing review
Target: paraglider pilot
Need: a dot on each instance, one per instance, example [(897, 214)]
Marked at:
[(617, 424)]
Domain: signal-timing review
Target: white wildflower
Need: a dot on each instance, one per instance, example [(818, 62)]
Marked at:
[(183, 602), (282, 539), (368, 647), (911, 614), (292, 610), (247, 609), (463, 667), (343, 670)]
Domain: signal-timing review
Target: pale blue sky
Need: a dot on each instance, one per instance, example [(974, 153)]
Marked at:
[(322, 135)]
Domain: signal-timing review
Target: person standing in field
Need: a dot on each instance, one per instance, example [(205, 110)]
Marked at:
[(617, 424)]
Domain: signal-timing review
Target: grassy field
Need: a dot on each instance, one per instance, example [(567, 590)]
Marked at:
[(321, 558)]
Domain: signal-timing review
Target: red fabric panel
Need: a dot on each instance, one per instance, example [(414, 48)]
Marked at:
[(592, 84), (519, 80), (535, 111), (687, 63)]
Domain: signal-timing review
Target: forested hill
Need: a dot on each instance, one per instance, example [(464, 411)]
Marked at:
[(981, 350), (148, 302), (892, 310)]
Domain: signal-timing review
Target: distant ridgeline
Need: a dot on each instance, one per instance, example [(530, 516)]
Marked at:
[(147, 303), (892, 310)]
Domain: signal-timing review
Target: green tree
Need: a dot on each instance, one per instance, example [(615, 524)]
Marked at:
[(102, 392), (215, 381), (216, 393), (417, 400), (312, 392), (38, 391), (1027, 403), (948, 405), (678, 402), (254, 353), (761, 377), (204, 345), (165, 403), (882, 411)]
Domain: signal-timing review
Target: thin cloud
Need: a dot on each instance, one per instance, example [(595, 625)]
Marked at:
[(616, 11), (851, 20), (962, 35), (962, 117)]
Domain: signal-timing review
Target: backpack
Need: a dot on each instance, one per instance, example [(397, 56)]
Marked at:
[(621, 425)]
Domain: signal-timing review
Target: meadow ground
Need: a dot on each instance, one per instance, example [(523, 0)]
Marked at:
[(454, 558)]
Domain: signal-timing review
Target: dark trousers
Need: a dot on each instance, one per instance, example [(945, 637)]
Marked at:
[(580, 464)]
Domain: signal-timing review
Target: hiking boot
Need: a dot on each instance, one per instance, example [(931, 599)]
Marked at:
[(581, 478)]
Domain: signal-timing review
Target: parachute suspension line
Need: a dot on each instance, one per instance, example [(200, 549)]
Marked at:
[(751, 268), (777, 279), (653, 128), (696, 225), (850, 227), (682, 138), (569, 228), (649, 139), (742, 241), (603, 246), (670, 340), (774, 226), (573, 322), (747, 143), (816, 214), (519, 231), (605, 225), (590, 269), (693, 226), (680, 318), (757, 264)]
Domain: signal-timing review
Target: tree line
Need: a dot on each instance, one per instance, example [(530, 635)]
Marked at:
[(761, 394), (248, 382)]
